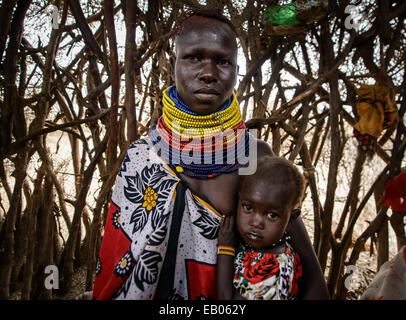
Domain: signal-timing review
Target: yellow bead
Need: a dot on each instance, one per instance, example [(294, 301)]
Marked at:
[(199, 126), (179, 169)]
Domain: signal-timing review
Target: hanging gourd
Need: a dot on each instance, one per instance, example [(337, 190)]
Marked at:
[(294, 17)]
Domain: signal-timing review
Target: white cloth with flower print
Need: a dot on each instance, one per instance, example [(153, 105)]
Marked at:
[(145, 195)]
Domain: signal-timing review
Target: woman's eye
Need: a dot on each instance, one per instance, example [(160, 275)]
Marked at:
[(224, 62), (272, 215), (192, 58), (247, 207)]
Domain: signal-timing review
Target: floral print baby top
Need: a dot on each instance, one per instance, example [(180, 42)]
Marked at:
[(267, 276)]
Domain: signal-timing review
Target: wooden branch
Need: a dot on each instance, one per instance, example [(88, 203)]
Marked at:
[(15, 145), (59, 189), (29, 238), (353, 192), (327, 56), (94, 18), (302, 131), (77, 216), (361, 206), (6, 13), (7, 241), (258, 122), (130, 14), (70, 113), (310, 174), (396, 221), (88, 36), (10, 102), (255, 67), (115, 83), (97, 220)]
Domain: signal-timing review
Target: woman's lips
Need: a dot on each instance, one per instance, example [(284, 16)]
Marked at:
[(206, 94)]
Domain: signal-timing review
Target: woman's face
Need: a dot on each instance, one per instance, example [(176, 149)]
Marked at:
[(263, 212), (205, 69)]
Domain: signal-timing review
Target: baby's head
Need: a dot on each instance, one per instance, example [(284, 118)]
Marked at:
[(268, 200)]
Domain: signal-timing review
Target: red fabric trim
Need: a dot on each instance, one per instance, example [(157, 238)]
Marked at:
[(114, 245), (201, 279)]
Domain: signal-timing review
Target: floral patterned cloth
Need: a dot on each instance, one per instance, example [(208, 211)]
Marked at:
[(152, 212), (267, 276)]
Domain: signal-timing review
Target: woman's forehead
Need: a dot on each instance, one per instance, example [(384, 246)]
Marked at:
[(201, 21), (199, 28)]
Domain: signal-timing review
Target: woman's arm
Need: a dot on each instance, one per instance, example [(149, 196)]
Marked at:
[(225, 263), (225, 272), (313, 285)]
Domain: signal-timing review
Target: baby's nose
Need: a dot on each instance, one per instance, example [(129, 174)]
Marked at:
[(257, 220)]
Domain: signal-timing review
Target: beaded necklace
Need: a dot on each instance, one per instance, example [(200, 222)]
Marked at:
[(188, 125), (201, 146)]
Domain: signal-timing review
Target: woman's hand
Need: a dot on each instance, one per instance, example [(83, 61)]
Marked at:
[(227, 231)]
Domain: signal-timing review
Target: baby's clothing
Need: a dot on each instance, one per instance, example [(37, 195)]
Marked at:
[(267, 276)]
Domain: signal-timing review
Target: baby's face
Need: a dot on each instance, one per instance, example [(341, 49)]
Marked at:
[(263, 212)]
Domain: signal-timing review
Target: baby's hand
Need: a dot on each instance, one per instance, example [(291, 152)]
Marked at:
[(227, 231)]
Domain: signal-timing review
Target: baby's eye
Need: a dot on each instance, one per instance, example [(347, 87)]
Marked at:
[(272, 215), (247, 207)]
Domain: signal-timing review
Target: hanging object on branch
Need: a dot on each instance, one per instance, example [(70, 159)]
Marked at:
[(366, 142), (376, 108), (394, 195), (293, 18)]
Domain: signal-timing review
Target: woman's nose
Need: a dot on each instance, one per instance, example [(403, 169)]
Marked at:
[(208, 71)]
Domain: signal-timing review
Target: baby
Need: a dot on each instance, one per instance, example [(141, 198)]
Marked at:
[(264, 266)]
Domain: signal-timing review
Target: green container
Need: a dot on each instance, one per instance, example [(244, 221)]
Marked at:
[(282, 15)]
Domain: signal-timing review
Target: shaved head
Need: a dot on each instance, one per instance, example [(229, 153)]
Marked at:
[(202, 13)]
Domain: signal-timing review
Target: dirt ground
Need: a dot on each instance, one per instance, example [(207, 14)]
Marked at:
[(366, 271), (78, 285), (366, 274)]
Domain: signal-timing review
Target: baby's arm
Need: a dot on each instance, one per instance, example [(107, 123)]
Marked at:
[(225, 263)]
